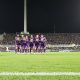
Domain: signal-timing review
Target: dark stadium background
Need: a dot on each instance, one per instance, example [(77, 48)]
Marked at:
[(43, 15)]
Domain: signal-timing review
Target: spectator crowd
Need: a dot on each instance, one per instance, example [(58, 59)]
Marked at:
[(52, 38)]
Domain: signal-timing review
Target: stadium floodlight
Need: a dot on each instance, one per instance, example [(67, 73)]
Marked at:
[(25, 16)]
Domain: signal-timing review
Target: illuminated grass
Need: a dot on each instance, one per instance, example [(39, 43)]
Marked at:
[(39, 77), (49, 62)]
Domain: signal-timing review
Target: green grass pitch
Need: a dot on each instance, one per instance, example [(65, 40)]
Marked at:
[(47, 62)]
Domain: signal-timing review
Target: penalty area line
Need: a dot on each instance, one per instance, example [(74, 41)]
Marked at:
[(39, 73)]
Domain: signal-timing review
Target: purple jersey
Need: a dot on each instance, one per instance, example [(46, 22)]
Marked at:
[(27, 42), (31, 43), (42, 41), (36, 41), (17, 41), (24, 42)]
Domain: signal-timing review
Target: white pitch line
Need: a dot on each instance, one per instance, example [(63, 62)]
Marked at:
[(39, 73)]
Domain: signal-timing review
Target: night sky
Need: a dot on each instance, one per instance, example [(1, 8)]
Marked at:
[(42, 15)]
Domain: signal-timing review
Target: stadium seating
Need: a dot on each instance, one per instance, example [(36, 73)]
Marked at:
[(52, 38), (9, 39), (63, 38)]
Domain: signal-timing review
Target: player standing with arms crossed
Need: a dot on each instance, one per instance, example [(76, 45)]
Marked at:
[(17, 44), (27, 44), (37, 43), (31, 43), (42, 43)]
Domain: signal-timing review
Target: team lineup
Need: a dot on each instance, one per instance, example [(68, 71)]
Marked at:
[(30, 43)]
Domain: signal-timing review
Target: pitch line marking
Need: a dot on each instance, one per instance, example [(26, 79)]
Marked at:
[(40, 73)]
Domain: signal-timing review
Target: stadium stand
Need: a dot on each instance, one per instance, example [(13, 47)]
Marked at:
[(9, 39), (53, 38), (63, 38), (59, 40)]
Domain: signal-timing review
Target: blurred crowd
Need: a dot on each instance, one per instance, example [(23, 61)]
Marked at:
[(63, 38), (52, 38), (9, 39)]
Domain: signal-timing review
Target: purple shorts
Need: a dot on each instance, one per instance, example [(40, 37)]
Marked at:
[(25, 45), (31, 44), (36, 44), (42, 44)]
